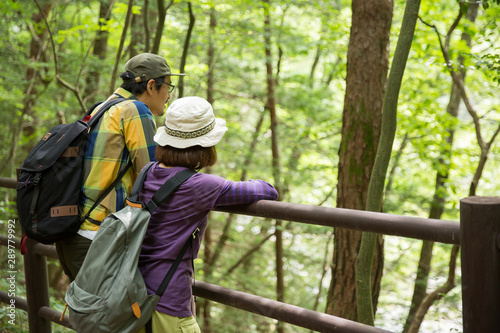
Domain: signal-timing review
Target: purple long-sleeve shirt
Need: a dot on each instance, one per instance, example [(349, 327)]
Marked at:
[(174, 222)]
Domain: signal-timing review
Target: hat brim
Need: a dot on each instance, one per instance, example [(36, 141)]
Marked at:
[(208, 140)]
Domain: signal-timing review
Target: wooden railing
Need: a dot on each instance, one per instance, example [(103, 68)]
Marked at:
[(478, 234)]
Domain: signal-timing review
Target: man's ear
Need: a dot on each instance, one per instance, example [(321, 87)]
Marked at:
[(150, 86)]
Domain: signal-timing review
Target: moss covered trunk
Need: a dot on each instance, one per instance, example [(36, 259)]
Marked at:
[(367, 66)]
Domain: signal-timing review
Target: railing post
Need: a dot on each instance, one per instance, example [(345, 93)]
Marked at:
[(37, 289), (480, 241)]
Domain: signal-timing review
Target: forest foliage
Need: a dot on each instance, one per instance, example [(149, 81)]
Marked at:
[(50, 72)]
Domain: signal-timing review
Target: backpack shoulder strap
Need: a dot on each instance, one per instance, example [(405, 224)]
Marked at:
[(166, 280), (134, 194), (105, 107), (168, 188), (89, 111), (106, 192)]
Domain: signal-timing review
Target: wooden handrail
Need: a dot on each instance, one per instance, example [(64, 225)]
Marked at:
[(478, 233), (388, 224), (41, 314)]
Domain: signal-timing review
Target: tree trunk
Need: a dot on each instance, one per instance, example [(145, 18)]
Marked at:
[(376, 188), (136, 36), (437, 209), (101, 42), (100, 50), (120, 47), (209, 257), (186, 49), (271, 107), (367, 66), (162, 12), (211, 57), (145, 23)]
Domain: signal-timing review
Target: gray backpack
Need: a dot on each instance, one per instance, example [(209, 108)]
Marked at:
[(109, 293)]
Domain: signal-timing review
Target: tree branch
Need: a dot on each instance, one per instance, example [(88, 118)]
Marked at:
[(436, 294), (56, 66), (248, 254), (455, 76), (459, 82)]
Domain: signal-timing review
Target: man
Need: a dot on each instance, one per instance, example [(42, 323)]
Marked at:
[(123, 138)]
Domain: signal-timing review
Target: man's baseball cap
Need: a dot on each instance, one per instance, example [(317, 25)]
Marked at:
[(148, 66)]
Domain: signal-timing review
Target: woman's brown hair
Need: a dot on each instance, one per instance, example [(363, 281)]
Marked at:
[(195, 157)]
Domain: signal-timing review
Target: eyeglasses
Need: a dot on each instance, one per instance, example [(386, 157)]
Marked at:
[(171, 87)]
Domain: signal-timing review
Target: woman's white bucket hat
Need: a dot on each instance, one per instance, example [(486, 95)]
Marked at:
[(190, 121)]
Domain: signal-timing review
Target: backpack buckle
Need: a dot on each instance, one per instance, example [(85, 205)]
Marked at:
[(195, 233), (36, 179)]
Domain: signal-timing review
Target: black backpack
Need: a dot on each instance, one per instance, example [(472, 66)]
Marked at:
[(51, 177)]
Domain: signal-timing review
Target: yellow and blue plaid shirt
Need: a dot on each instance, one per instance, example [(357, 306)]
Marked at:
[(125, 132)]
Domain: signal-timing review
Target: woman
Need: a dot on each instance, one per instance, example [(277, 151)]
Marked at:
[(187, 140)]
